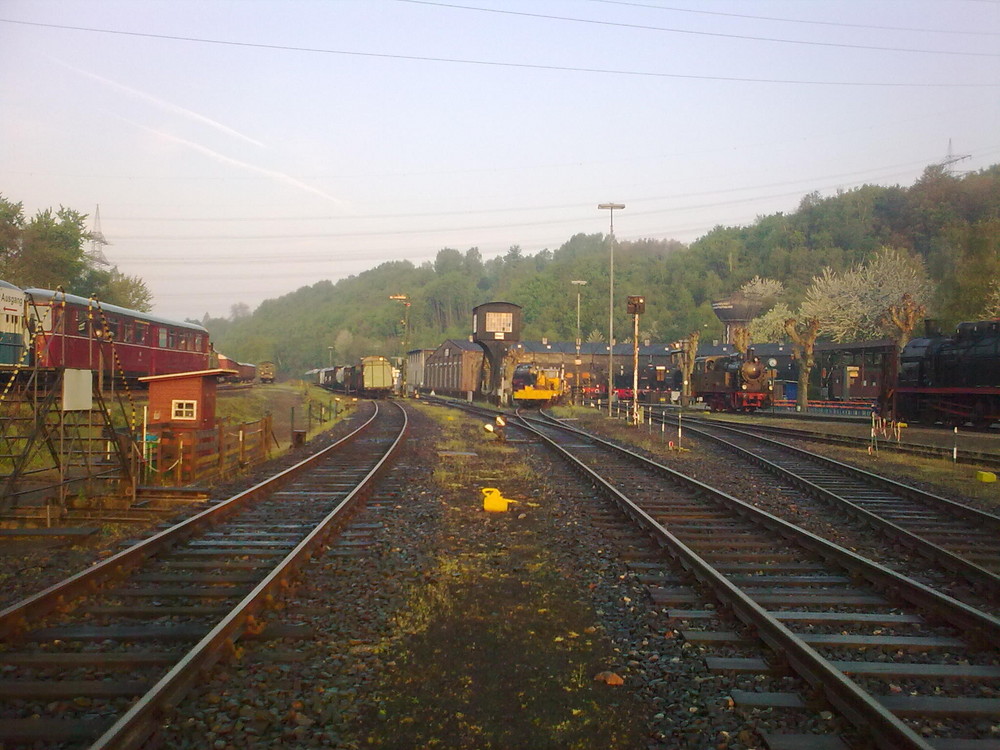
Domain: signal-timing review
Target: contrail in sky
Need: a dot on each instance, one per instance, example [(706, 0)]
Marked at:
[(280, 176), (168, 106)]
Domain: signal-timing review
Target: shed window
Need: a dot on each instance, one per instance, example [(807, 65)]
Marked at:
[(181, 410)]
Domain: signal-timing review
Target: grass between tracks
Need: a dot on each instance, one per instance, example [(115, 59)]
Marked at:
[(498, 646), (957, 481)]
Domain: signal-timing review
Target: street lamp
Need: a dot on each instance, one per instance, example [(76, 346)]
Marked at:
[(612, 207), (405, 299), (578, 284)]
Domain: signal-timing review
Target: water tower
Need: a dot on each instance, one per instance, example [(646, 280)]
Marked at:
[(735, 312), (496, 327)]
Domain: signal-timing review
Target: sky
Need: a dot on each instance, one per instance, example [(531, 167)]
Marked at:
[(238, 150)]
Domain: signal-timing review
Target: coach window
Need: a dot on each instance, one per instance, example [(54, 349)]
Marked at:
[(140, 331), (184, 410), (163, 338)]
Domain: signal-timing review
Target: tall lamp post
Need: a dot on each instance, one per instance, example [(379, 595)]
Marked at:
[(612, 207), (405, 299), (576, 392)]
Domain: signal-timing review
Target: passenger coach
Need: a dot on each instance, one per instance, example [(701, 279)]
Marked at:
[(72, 331)]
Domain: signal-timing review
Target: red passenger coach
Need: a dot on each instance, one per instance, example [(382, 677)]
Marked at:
[(75, 332)]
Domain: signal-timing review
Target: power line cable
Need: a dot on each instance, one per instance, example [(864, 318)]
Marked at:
[(808, 22), (497, 64), (691, 32)]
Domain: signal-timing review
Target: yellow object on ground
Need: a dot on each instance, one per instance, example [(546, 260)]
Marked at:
[(986, 476), (494, 502)]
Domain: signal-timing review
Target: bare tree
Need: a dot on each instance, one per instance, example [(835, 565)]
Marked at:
[(803, 338), (902, 319), (741, 339), (992, 308)]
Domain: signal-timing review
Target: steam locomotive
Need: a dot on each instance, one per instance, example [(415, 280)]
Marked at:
[(951, 379), (732, 382)]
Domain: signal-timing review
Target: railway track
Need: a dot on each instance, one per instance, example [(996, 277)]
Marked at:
[(905, 665), (97, 659), (983, 458), (960, 538)]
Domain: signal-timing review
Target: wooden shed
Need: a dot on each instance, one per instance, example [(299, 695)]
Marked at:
[(184, 399)]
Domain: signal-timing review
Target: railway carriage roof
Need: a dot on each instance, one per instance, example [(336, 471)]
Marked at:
[(8, 285), (48, 295)]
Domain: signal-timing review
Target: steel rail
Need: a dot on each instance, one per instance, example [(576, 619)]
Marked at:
[(15, 619), (133, 728), (959, 614), (912, 449), (857, 706), (984, 580)]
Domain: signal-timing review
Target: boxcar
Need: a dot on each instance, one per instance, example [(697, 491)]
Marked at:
[(377, 376)]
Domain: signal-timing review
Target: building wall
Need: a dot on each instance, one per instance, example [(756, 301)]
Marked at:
[(201, 390), (453, 368)]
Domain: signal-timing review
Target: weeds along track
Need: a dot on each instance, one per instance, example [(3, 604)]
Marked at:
[(984, 452), (96, 659), (953, 536), (809, 625)]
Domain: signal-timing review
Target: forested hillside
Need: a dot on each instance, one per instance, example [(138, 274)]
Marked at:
[(949, 225)]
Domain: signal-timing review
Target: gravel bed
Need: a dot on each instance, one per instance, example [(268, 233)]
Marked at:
[(340, 686), (717, 467), (335, 689)]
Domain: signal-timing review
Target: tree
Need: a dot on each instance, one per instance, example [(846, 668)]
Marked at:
[(803, 338), (992, 307), (902, 319), (853, 305), (239, 311), (47, 251), (766, 290), (741, 339), (770, 326), (116, 288)]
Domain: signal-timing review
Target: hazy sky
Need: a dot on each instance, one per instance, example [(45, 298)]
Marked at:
[(239, 150)]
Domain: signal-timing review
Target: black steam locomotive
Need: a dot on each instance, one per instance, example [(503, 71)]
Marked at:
[(732, 382), (953, 379)]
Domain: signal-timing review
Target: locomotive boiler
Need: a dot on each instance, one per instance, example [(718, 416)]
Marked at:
[(731, 382)]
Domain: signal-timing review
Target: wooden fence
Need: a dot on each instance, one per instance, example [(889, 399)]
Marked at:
[(178, 456)]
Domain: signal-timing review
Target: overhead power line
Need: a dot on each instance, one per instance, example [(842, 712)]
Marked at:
[(801, 21), (498, 64), (692, 32)]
